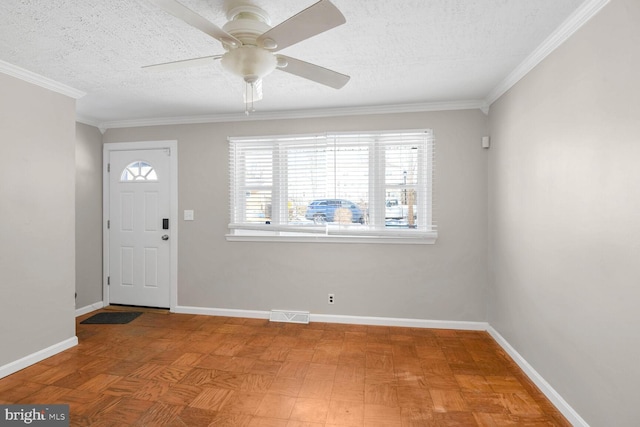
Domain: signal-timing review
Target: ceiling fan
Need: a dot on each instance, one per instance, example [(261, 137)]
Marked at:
[(250, 43)]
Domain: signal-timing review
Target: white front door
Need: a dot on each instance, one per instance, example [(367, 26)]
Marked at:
[(140, 227)]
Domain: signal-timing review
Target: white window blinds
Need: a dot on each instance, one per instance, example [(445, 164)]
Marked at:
[(365, 184)]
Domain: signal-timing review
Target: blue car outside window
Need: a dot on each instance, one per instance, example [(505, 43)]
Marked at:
[(323, 210)]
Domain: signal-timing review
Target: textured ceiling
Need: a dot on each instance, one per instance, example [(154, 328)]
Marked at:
[(396, 51)]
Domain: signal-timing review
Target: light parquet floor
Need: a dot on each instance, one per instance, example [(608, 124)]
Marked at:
[(189, 370)]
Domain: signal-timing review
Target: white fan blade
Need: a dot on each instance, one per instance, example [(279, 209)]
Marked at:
[(315, 19), (185, 63), (192, 18), (314, 72)]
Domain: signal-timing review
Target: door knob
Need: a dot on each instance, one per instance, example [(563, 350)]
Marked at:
[(165, 237)]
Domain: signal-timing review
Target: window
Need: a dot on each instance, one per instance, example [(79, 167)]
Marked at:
[(138, 171), (333, 187)]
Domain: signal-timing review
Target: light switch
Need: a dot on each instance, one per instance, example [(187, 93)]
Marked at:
[(188, 215)]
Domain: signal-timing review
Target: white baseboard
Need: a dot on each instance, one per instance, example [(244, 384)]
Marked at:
[(251, 314), (406, 323), (330, 318), (36, 357), (89, 308), (572, 416)]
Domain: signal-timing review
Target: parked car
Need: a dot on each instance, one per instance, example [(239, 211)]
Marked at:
[(395, 210), (324, 210)]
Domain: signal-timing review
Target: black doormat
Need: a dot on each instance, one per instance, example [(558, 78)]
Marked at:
[(112, 318)]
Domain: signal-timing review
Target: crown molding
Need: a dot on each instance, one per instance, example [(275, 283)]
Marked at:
[(37, 79), (572, 24), (90, 122), (297, 114)]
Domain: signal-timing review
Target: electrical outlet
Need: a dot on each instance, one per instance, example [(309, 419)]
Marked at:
[(331, 299)]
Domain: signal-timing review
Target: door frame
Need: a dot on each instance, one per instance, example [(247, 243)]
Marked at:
[(173, 215)]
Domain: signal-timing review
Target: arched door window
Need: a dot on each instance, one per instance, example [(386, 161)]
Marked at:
[(139, 171)]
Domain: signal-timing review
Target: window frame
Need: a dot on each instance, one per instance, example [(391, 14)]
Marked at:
[(128, 171), (378, 232)]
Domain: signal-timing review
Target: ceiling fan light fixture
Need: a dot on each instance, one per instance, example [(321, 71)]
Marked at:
[(249, 62)]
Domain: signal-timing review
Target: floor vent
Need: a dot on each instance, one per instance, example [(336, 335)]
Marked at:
[(289, 316)]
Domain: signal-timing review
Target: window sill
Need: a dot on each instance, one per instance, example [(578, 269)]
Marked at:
[(429, 239)]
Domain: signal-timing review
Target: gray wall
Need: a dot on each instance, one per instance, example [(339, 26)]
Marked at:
[(445, 281), (88, 215), (37, 215), (564, 215)]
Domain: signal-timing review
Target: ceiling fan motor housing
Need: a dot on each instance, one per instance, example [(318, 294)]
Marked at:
[(249, 61), (247, 23)]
